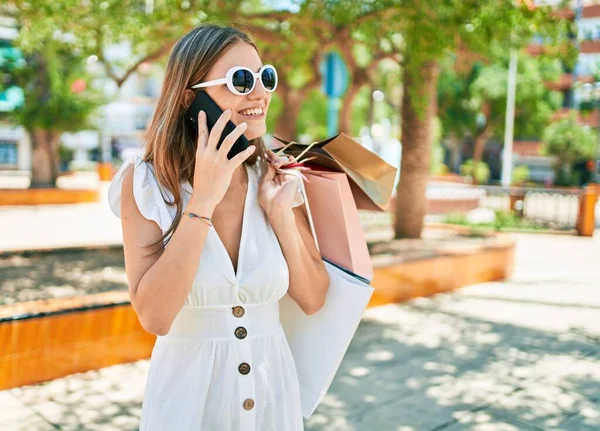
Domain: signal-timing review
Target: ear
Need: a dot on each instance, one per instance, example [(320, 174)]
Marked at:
[(188, 97)]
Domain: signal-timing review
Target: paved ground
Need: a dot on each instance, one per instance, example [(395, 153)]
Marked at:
[(517, 355), (60, 274), (50, 226)]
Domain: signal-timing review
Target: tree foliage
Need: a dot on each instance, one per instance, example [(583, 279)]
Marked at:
[(569, 141), (468, 102), (489, 29), (58, 92)]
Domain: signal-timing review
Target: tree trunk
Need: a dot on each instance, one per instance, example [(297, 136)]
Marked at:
[(44, 160), (480, 141), (346, 111), (479, 148), (455, 153), (417, 135), (287, 123)]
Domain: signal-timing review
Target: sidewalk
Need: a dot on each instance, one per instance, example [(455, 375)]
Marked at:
[(93, 225), (56, 226), (517, 355)]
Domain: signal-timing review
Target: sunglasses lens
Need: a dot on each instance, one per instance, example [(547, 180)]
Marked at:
[(243, 81), (269, 78)]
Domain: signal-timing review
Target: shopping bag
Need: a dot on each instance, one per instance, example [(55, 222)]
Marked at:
[(372, 178), (319, 342), (337, 224)]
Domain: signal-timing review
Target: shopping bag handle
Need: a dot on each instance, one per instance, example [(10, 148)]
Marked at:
[(302, 191)]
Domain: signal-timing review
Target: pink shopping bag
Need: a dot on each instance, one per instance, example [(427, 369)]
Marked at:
[(337, 225)]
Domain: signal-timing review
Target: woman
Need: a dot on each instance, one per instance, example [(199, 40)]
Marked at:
[(225, 242)]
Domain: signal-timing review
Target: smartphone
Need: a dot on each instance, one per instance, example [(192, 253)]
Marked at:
[(205, 103)]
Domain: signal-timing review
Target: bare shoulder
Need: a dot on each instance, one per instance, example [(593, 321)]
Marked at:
[(128, 205), (135, 225)]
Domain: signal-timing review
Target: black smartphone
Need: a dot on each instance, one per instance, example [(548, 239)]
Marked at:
[(205, 103)]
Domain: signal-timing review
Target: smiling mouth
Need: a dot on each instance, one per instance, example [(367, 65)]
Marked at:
[(252, 113)]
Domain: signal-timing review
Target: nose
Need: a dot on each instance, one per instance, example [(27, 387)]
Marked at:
[(258, 92)]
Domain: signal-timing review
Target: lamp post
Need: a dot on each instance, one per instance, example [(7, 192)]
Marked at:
[(592, 92), (507, 152)]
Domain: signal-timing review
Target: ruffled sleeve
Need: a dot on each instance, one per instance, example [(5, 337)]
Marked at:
[(147, 193)]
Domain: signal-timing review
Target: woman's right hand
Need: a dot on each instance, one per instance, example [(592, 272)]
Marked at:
[(213, 170)]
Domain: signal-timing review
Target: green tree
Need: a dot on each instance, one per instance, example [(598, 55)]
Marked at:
[(474, 104), (58, 98), (296, 39), (299, 40), (58, 37), (568, 141), (431, 29)]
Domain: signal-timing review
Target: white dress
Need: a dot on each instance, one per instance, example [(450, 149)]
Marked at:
[(225, 363)]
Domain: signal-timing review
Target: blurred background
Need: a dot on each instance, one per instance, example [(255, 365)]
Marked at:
[(486, 307)]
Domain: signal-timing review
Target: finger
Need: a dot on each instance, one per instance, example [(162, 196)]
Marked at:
[(270, 156), (202, 131), (270, 174), (217, 130), (281, 161), (230, 140), (242, 156), (289, 188)]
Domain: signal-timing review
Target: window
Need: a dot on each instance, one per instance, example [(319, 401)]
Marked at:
[(8, 153)]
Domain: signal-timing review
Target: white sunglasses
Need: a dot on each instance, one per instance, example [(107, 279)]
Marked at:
[(241, 80)]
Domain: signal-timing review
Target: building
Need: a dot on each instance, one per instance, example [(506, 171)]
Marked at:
[(15, 150), (580, 86)]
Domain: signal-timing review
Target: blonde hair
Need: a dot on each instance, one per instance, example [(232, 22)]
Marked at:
[(170, 142)]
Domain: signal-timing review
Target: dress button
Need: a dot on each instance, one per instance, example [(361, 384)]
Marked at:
[(238, 311), (249, 404), (244, 368), (241, 332)]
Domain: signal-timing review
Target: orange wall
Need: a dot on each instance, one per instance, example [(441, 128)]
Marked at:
[(47, 196)]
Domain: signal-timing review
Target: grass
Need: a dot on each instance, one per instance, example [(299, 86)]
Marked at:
[(504, 222)]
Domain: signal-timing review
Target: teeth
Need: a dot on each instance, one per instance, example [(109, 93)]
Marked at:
[(258, 111)]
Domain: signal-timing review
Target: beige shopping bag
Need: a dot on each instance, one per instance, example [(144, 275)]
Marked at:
[(372, 177)]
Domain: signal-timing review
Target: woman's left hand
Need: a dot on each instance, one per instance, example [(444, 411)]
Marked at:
[(276, 191)]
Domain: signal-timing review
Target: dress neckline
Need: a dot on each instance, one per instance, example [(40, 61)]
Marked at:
[(223, 250)]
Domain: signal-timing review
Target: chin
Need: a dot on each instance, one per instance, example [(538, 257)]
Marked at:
[(256, 132)]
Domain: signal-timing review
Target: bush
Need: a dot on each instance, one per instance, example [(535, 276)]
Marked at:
[(65, 154), (520, 174), (568, 141), (504, 220), (480, 172)]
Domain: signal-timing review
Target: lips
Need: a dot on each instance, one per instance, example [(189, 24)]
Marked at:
[(252, 112)]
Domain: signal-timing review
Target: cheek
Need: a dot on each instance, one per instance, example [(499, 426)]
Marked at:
[(225, 99)]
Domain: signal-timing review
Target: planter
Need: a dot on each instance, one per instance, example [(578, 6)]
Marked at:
[(105, 171), (45, 339), (443, 268), (48, 196)]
